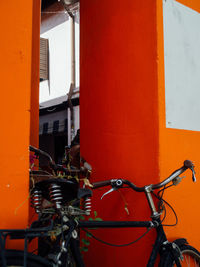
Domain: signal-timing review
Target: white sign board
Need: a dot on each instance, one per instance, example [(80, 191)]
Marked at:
[(182, 66)]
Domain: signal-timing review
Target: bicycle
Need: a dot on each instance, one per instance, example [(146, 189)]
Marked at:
[(171, 253), (178, 252), (59, 222)]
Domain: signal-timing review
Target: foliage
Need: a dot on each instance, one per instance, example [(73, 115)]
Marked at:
[(85, 241)]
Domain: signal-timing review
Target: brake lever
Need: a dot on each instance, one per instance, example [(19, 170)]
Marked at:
[(108, 192), (116, 184), (193, 174)]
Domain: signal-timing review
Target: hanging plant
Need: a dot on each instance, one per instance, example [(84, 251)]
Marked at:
[(85, 241)]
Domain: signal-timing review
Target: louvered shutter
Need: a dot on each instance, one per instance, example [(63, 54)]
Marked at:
[(44, 59)]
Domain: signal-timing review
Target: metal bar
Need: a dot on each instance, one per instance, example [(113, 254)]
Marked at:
[(170, 178), (31, 230), (154, 213), (114, 224)]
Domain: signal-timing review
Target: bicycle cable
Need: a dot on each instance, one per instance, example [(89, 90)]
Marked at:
[(117, 245), (165, 213), (176, 218), (162, 200), (163, 189)]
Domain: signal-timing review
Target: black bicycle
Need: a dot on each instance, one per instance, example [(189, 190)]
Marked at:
[(177, 253), (56, 198)]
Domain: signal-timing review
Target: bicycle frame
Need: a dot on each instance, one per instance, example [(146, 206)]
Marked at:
[(21, 234), (74, 244), (154, 223), (160, 239)]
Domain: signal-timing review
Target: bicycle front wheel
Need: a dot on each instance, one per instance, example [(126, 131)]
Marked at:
[(190, 257)]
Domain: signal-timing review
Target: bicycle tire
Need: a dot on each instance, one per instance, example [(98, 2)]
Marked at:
[(191, 257), (15, 258)]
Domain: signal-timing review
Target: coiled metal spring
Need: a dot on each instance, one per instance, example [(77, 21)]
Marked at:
[(56, 195), (36, 200), (88, 205)]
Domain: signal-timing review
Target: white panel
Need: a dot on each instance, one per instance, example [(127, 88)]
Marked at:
[(182, 66)]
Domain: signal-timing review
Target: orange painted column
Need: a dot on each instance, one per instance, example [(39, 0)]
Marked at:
[(19, 75), (132, 123), (119, 117)]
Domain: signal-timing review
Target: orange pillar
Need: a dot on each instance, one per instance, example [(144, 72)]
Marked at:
[(119, 116), (129, 126), (19, 75)]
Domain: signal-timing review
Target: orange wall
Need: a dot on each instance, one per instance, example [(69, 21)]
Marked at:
[(174, 147), (194, 4), (16, 75), (119, 115)]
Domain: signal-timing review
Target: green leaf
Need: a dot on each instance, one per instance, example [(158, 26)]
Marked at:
[(95, 213), (88, 234), (85, 249), (98, 219), (90, 219), (85, 241), (82, 217)]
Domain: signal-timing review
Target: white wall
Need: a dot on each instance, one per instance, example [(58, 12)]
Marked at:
[(56, 28), (76, 118), (77, 49), (182, 66), (50, 118)]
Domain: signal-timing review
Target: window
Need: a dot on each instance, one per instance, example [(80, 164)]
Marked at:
[(44, 59)]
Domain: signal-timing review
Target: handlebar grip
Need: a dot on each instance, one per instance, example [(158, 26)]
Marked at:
[(188, 164), (101, 184)]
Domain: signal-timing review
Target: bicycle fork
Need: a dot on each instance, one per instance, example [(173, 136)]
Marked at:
[(163, 246)]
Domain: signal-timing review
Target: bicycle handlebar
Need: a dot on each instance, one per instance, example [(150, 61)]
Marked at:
[(56, 167), (186, 165), (40, 153), (112, 182)]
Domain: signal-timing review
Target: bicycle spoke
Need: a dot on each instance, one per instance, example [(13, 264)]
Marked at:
[(189, 261)]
